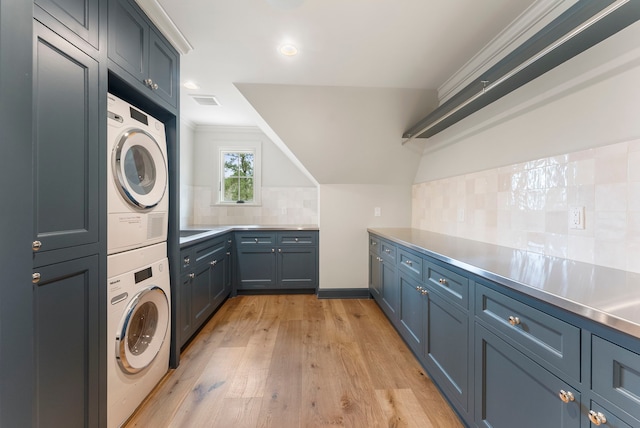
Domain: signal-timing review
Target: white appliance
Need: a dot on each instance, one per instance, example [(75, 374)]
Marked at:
[(137, 178), (138, 328)]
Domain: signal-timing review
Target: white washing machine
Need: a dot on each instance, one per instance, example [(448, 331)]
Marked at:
[(138, 328), (137, 178)]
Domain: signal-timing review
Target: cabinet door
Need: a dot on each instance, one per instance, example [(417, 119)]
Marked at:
[(66, 308), (185, 320), (217, 280), (375, 276), (297, 267), (201, 294), (66, 143), (128, 39), (411, 312), (256, 268), (80, 17), (390, 290), (512, 390), (163, 69), (446, 347)]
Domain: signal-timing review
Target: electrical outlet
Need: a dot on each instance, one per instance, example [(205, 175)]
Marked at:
[(576, 217), (376, 212)]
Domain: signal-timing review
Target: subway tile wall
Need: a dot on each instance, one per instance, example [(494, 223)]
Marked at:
[(280, 206), (526, 206)]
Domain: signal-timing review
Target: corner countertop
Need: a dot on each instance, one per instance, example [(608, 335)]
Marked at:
[(605, 295), (208, 232)]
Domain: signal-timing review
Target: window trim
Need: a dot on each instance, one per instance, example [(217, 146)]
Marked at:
[(257, 182)]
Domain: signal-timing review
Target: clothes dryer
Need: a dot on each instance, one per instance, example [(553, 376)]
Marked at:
[(137, 178), (138, 328)]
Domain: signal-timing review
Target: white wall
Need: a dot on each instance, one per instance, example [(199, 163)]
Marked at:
[(288, 196), (509, 173), (187, 141), (346, 211)]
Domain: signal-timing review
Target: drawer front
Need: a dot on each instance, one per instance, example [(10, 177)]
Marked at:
[(387, 251), (374, 244), (451, 285), (616, 374), (255, 238), (410, 263), (210, 250), (298, 238), (551, 339), (187, 259)]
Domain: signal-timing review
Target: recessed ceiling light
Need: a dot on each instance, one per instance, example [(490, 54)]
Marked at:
[(191, 85), (288, 50)]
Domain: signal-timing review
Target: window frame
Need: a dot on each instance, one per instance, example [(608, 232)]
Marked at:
[(257, 185)]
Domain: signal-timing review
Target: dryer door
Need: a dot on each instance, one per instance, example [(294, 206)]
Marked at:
[(142, 329), (139, 169)]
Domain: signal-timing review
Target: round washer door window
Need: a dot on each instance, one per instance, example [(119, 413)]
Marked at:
[(139, 169), (143, 329)]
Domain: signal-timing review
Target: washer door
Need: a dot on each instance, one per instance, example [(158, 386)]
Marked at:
[(143, 329), (139, 169)]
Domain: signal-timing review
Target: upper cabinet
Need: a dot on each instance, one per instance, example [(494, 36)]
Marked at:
[(140, 55), (75, 20)]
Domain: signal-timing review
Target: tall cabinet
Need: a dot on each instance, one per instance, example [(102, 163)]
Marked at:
[(54, 77)]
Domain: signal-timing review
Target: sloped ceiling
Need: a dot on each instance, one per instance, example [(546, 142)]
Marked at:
[(345, 135)]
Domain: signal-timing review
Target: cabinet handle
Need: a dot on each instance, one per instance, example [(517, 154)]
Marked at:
[(35, 278), (386, 250), (256, 239), (424, 292), (514, 321), (228, 253), (374, 243), (213, 263), (565, 396), (187, 260), (273, 250), (419, 288), (229, 241), (36, 245), (150, 84), (409, 263), (279, 250), (442, 281), (192, 275), (379, 259), (296, 239), (597, 418)]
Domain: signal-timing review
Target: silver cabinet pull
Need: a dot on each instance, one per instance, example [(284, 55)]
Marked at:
[(386, 250), (597, 418), (228, 253), (35, 278), (424, 292), (373, 243), (273, 250), (514, 320), (296, 239), (442, 281), (187, 260), (150, 84), (279, 250), (213, 263), (192, 275), (565, 396), (256, 239), (36, 245), (409, 263)]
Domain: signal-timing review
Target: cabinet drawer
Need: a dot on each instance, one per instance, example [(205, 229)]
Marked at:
[(214, 249), (388, 251), (615, 374), (449, 284), (374, 244), (547, 337), (255, 238), (410, 263), (297, 238), (187, 259)]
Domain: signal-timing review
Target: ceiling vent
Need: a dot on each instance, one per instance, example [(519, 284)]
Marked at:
[(206, 100)]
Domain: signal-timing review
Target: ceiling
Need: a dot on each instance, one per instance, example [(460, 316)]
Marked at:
[(410, 44)]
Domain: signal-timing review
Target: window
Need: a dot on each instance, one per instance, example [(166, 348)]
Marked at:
[(238, 171)]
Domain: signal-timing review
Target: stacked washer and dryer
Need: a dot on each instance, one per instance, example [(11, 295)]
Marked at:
[(138, 285)]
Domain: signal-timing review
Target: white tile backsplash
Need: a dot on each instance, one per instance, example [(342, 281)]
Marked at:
[(525, 205)]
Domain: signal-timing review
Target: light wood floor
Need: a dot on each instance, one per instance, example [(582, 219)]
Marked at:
[(296, 361)]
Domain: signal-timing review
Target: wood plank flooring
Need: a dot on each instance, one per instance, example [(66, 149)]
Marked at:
[(291, 361)]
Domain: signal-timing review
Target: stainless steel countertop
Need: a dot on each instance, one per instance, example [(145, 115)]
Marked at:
[(605, 295), (213, 231)]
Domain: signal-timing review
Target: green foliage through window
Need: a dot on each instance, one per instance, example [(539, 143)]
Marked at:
[(238, 175)]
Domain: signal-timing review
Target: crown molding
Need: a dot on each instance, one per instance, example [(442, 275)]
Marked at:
[(534, 18), (165, 24)]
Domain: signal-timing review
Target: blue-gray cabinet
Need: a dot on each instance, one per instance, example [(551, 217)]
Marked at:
[(76, 20), (282, 260), (512, 389), (502, 358), (139, 55), (205, 283)]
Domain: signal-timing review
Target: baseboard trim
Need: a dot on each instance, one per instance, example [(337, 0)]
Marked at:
[(344, 293)]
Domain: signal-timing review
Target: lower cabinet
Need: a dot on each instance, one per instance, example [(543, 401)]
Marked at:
[(411, 313), (284, 260), (205, 283), (511, 388)]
